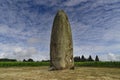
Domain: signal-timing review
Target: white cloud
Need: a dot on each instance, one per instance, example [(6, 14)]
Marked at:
[(33, 40), (40, 40), (113, 57), (30, 52), (24, 53), (17, 49), (100, 50), (3, 28), (21, 52)]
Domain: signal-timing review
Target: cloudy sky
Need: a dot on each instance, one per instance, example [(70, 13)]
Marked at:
[(25, 27)]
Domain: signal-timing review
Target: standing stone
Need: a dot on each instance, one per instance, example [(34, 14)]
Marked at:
[(61, 46)]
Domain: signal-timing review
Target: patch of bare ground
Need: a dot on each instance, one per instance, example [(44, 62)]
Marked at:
[(42, 73)]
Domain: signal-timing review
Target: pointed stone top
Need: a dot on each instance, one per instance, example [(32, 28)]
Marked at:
[(61, 13), (60, 10)]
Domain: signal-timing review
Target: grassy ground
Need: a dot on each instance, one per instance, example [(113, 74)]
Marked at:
[(98, 64), (78, 64), (42, 73), (23, 64)]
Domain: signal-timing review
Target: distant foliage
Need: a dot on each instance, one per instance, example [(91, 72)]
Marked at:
[(90, 58), (83, 59), (7, 60), (30, 60), (96, 58), (24, 60), (77, 59), (45, 61)]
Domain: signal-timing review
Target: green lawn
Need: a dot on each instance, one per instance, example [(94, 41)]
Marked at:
[(84, 64), (98, 64), (23, 64)]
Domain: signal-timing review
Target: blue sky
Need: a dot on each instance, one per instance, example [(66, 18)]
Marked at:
[(25, 27)]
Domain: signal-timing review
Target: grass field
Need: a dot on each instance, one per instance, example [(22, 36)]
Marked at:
[(42, 73), (23, 64), (78, 64), (39, 71)]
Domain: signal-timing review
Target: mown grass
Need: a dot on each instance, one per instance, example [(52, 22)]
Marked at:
[(23, 64), (78, 64), (98, 64)]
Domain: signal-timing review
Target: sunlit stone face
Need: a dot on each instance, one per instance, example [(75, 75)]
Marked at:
[(61, 46)]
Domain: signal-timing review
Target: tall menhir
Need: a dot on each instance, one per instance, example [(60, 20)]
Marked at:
[(61, 46)]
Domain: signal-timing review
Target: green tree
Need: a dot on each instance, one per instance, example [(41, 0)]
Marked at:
[(24, 60), (96, 58), (77, 59), (83, 58), (30, 60), (90, 58)]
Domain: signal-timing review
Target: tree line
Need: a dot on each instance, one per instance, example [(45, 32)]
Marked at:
[(14, 60), (83, 59), (76, 59), (6, 60)]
